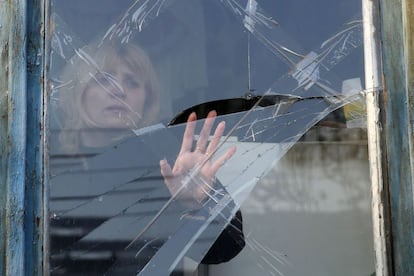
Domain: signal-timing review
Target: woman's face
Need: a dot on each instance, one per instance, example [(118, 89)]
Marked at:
[(115, 97)]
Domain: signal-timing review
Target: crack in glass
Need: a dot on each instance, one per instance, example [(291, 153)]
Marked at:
[(131, 195)]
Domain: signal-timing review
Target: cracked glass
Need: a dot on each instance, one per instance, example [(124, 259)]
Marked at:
[(219, 137)]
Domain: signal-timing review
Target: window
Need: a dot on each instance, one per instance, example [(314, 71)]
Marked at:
[(189, 137), (145, 178)]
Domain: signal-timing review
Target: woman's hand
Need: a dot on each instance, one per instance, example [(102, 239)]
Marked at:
[(196, 163)]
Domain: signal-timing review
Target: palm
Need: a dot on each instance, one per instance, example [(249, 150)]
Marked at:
[(196, 165)]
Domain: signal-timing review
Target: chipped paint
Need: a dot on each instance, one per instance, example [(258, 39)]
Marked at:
[(22, 163), (397, 25), (379, 201), (18, 140), (4, 59), (35, 130)]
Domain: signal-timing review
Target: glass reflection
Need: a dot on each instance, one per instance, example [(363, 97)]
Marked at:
[(169, 117), (107, 93)]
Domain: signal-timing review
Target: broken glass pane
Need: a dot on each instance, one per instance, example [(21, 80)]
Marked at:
[(224, 136)]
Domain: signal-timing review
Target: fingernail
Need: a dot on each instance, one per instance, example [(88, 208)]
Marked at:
[(212, 113), (192, 117)]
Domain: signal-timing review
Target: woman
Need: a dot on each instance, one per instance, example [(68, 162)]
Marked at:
[(116, 91), (102, 98)]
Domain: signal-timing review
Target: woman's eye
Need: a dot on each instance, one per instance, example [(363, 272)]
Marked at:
[(102, 80), (132, 83)]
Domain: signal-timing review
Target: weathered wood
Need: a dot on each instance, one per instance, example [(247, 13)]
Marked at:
[(379, 191), (397, 24), (21, 132), (4, 82), (35, 182), (16, 139), (21, 109)]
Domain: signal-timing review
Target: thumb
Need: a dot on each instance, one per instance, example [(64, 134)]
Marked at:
[(166, 172)]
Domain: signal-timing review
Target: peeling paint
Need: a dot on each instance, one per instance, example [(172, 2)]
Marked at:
[(269, 33), (396, 35), (16, 247)]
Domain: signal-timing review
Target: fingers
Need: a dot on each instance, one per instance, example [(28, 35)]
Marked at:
[(187, 143), (222, 160), (205, 131), (203, 147), (218, 133)]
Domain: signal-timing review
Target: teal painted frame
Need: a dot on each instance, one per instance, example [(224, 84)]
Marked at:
[(398, 106), (22, 133), (36, 182), (13, 152), (21, 136)]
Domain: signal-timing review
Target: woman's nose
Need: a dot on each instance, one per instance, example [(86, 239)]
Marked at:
[(116, 90)]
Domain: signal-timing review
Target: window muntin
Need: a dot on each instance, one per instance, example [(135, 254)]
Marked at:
[(222, 55)]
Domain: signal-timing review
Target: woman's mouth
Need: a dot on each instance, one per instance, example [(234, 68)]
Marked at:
[(116, 110)]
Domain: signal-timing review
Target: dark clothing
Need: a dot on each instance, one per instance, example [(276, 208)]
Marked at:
[(101, 201), (228, 244)]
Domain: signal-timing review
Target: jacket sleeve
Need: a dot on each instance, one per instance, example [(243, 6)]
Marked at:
[(228, 244)]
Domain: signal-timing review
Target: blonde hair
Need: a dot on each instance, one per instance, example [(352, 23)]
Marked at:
[(70, 112)]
